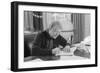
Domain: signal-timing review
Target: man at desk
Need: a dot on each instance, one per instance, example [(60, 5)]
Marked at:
[(49, 43)]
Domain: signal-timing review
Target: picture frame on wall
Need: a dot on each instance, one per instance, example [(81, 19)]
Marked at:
[(52, 36)]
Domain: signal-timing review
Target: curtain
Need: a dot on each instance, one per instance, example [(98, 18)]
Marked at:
[(33, 21), (28, 21), (37, 21), (79, 21)]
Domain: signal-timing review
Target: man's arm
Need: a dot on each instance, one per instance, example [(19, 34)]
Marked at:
[(37, 50), (62, 41), (63, 44)]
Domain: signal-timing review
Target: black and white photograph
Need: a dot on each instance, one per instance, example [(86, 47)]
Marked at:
[(56, 36), (52, 36)]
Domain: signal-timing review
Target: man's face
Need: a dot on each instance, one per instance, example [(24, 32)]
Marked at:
[(55, 31)]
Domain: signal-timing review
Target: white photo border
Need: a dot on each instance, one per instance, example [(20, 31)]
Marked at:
[(31, 64)]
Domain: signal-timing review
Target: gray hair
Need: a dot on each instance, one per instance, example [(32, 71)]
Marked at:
[(55, 24)]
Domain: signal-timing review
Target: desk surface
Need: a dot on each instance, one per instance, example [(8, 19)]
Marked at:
[(63, 56)]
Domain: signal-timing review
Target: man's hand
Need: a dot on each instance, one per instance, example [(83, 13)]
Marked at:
[(56, 51), (67, 49)]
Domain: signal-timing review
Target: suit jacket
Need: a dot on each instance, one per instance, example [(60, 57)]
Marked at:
[(44, 43)]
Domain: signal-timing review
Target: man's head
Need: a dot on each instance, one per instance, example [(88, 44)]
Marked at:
[(54, 29)]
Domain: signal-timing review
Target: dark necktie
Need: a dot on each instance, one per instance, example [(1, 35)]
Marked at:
[(51, 44)]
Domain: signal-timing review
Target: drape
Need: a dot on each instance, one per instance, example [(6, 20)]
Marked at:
[(79, 22), (28, 21), (37, 21), (33, 21)]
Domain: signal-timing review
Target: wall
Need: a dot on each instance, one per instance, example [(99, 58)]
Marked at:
[(5, 37)]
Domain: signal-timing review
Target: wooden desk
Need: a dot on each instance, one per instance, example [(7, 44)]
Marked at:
[(62, 56)]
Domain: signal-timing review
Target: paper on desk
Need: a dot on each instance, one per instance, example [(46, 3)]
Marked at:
[(62, 53)]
